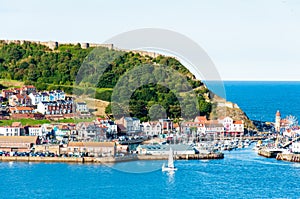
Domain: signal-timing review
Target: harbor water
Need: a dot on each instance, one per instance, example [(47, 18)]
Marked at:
[(241, 174)]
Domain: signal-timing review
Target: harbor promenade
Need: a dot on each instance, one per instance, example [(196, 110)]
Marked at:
[(133, 157)]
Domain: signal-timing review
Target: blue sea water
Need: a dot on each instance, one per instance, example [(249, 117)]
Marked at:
[(261, 100), (242, 174)]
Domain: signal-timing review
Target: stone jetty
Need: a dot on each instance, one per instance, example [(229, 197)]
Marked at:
[(104, 160), (268, 153), (288, 157)]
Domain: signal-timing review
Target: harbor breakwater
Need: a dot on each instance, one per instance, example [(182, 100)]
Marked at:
[(291, 157), (288, 157), (104, 160), (269, 153)]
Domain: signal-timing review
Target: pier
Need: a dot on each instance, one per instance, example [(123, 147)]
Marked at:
[(268, 153), (103, 160), (183, 157), (288, 157)]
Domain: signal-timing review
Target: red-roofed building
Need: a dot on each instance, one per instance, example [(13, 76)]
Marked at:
[(28, 89), (231, 126), (21, 109), (7, 93), (200, 119), (189, 127), (19, 100)]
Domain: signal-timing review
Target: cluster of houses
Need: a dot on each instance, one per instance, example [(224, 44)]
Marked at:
[(96, 137), (201, 126), (93, 137), (105, 129), (27, 102)]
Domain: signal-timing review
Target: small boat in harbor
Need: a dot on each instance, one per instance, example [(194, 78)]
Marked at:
[(170, 167)]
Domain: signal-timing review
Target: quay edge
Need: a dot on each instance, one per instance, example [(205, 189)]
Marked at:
[(109, 159), (288, 157)]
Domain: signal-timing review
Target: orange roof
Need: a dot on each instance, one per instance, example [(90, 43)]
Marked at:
[(175, 125), (91, 144), (22, 108), (238, 122), (29, 86), (16, 124), (75, 144)]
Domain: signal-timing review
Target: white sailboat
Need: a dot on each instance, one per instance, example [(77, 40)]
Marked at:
[(170, 166)]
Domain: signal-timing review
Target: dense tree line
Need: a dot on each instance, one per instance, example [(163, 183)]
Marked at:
[(153, 90)]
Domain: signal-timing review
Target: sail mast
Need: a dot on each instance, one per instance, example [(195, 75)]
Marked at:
[(170, 160)]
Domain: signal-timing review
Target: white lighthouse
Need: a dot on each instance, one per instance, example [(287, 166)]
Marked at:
[(277, 121)]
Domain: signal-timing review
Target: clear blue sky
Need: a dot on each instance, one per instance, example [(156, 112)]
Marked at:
[(247, 40)]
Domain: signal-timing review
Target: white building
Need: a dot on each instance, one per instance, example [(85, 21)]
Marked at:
[(35, 131), (193, 127), (13, 130), (55, 107), (35, 98), (232, 126), (296, 147), (81, 107), (152, 128), (112, 128), (131, 124)]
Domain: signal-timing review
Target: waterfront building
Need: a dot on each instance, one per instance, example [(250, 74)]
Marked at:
[(96, 149), (18, 143)]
